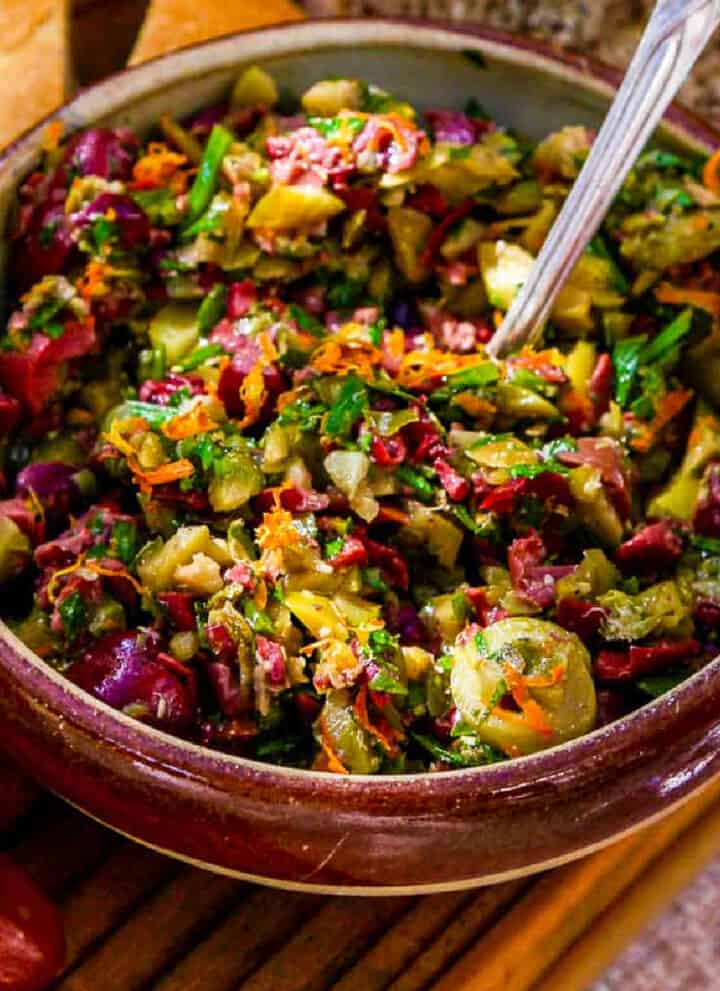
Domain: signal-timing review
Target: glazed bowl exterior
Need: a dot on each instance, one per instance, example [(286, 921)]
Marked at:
[(316, 830)]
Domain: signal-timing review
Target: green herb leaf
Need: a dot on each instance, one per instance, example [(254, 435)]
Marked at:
[(74, 615), (212, 309), (416, 481), (331, 127), (199, 356), (208, 174), (125, 539), (661, 345), (626, 361), (352, 400)]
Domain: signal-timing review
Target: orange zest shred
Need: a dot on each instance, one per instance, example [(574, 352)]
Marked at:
[(173, 471), (395, 344), (474, 405), (157, 167), (93, 282), (61, 572), (120, 572), (252, 391), (361, 714), (711, 172), (667, 293), (277, 531), (339, 357), (668, 408), (52, 135), (196, 420), (422, 368), (334, 763)]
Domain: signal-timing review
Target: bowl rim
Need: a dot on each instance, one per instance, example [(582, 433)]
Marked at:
[(67, 701)]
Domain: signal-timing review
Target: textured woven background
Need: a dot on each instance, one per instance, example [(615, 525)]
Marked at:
[(608, 28)]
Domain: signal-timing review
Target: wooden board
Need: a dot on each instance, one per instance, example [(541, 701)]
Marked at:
[(136, 920)]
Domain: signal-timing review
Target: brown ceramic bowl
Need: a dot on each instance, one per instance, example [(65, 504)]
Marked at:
[(315, 830)]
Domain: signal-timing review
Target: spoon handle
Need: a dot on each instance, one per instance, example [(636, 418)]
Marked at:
[(675, 36)]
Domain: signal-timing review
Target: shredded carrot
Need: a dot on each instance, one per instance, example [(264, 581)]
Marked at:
[(711, 172), (53, 135), (361, 714), (533, 714), (547, 681), (195, 421), (701, 222), (536, 718), (670, 405), (710, 301), (334, 763)]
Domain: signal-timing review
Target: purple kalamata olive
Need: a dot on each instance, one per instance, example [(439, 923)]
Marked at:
[(126, 670), (104, 152), (204, 120), (45, 247), (403, 313), (60, 488), (130, 219), (452, 126)]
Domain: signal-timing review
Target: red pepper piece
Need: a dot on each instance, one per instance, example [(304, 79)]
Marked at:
[(442, 230), (428, 199), (618, 665), (457, 487), (32, 942), (653, 548), (579, 616), (353, 551), (388, 451), (241, 296), (180, 609)]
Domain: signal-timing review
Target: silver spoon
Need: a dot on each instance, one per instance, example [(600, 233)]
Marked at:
[(675, 36)]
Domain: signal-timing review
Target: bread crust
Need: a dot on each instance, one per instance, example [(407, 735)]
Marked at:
[(34, 62), (171, 24)]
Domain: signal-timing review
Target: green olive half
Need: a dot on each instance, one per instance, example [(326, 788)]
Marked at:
[(550, 664)]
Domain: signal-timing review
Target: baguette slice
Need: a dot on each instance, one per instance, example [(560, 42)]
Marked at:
[(34, 62), (171, 24)]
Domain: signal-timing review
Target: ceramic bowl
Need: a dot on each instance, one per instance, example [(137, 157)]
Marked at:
[(312, 830)]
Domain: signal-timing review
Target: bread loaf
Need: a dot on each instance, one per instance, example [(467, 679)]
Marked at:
[(34, 62), (171, 24)]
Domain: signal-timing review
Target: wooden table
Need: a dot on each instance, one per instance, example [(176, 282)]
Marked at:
[(136, 920)]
